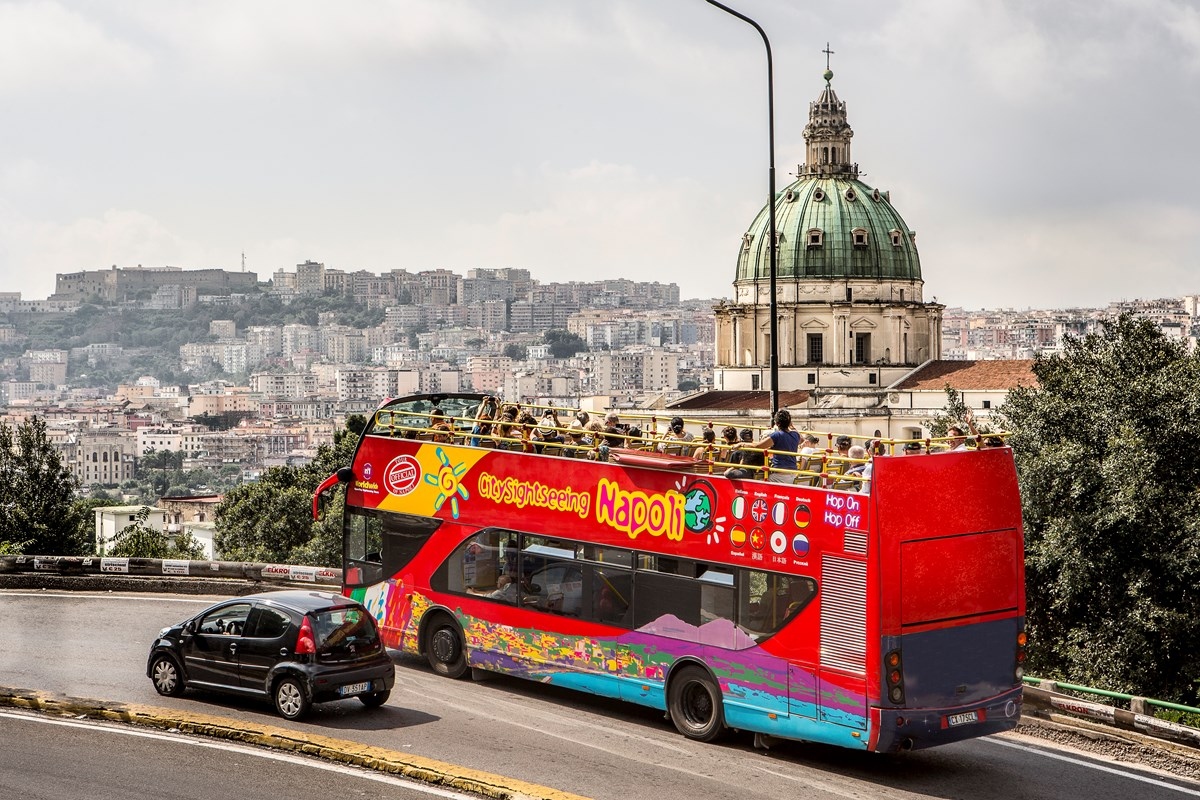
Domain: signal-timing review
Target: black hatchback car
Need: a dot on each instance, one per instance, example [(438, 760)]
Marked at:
[(294, 647)]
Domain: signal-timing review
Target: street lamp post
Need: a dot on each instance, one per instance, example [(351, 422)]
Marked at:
[(771, 244)]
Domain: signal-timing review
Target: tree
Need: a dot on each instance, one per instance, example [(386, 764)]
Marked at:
[(139, 540), (271, 519), (1106, 456), (564, 344), (38, 512), (515, 351)]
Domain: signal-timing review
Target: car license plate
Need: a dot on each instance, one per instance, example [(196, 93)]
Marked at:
[(966, 718), (354, 688)]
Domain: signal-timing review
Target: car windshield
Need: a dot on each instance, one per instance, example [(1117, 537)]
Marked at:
[(340, 628)]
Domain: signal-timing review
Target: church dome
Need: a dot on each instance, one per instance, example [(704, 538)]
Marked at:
[(831, 227), (829, 224)]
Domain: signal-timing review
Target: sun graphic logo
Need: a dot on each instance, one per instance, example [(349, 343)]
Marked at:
[(448, 483)]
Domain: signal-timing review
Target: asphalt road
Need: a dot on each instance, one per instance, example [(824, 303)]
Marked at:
[(55, 759), (95, 646)]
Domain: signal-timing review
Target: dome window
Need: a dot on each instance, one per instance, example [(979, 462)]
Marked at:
[(818, 195), (859, 237), (790, 196), (816, 238), (850, 195), (875, 195), (897, 237)]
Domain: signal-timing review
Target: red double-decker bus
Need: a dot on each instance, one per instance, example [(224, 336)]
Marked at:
[(882, 620)]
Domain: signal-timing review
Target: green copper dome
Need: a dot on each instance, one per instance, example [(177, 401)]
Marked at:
[(831, 228)]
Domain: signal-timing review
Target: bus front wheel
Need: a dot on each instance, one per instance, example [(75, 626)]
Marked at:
[(444, 647), (694, 702)]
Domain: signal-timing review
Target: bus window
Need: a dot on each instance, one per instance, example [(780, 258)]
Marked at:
[(484, 564), (766, 600), (609, 555), (551, 576), (716, 602), (612, 591), (669, 565), (660, 596)]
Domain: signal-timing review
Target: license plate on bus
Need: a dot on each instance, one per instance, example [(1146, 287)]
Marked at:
[(966, 718), (354, 688)]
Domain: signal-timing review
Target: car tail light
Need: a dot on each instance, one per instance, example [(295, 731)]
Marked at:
[(305, 643), (894, 669), (1019, 672)]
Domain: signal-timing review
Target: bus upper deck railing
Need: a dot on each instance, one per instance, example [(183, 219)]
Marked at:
[(520, 431)]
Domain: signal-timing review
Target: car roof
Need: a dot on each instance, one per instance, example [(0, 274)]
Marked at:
[(303, 600)]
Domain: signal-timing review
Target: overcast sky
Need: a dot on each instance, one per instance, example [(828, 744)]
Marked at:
[(1045, 152)]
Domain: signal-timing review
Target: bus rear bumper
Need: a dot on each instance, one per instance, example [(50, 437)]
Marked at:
[(897, 729)]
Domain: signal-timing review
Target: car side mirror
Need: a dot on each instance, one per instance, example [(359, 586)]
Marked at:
[(189, 626)]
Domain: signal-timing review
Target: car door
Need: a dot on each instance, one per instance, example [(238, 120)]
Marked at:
[(211, 653), (269, 638)]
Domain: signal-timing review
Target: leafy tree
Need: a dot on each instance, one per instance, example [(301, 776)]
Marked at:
[(37, 494), (515, 351), (271, 519), (1106, 456), (564, 344), (139, 540)]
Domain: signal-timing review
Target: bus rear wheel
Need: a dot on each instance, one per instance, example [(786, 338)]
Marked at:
[(444, 647), (694, 702)]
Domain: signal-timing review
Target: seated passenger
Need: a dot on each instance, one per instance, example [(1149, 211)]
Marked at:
[(704, 452), (675, 436), (750, 460)]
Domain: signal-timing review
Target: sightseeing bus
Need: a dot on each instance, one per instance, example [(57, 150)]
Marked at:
[(885, 617)]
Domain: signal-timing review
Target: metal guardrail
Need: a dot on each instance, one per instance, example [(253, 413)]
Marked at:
[(1043, 697), (167, 567)]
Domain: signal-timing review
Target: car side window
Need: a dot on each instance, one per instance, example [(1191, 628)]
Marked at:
[(225, 621), (272, 623)]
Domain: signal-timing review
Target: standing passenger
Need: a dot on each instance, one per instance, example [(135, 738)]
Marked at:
[(786, 441)]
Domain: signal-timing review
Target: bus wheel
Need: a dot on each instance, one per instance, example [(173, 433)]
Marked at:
[(694, 702), (444, 647)]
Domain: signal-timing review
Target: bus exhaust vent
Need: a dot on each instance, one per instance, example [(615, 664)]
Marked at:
[(856, 542), (844, 614)]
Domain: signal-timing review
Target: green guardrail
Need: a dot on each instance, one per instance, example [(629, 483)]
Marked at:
[(1129, 698)]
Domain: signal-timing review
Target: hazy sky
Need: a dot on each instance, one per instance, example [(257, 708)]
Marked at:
[(1045, 152)]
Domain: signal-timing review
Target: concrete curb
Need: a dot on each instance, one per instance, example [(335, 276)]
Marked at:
[(418, 768)]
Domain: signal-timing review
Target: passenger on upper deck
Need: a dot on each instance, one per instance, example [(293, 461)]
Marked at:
[(812, 445), (704, 452), (675, 435), (441, 429), (786, 441)]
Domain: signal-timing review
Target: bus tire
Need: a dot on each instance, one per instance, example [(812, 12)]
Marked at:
[(694, 703), (444, 647)]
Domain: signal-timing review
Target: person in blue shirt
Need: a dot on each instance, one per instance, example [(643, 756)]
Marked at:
[(786, 440)]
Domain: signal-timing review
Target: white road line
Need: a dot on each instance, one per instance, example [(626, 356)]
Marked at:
[(143, 598), (250, 751), (1080, 762)]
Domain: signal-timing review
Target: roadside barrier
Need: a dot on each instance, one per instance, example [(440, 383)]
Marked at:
[(1043, 697), (168, 567)]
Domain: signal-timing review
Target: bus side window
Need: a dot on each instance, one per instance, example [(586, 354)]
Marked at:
[(477, 566), (766, 600)]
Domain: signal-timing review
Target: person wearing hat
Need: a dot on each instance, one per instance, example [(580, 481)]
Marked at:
[(913, 449)]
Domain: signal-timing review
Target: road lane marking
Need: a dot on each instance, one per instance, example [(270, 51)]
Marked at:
[(1100, 767), (143, 598), (250, 751)]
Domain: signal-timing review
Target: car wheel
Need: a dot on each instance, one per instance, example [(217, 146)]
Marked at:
[(694, 702), (164, 672), (290, 699), (444, 648), (375, 699)]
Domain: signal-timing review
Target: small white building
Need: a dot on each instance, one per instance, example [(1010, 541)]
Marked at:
[(111, 520)]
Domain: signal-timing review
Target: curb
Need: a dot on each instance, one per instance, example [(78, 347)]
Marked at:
[(417, 768)]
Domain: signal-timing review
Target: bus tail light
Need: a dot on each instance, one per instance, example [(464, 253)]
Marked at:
[(893, 665), (1022, 640)]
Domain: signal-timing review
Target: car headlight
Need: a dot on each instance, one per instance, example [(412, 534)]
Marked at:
[(163, 632)]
